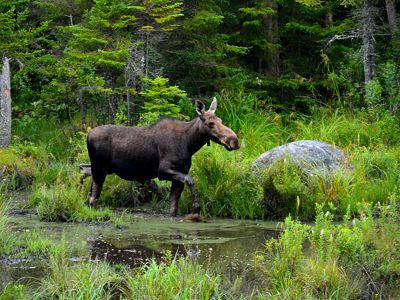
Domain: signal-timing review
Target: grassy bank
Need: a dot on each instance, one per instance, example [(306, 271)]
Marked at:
[(45, 160), (355, 259)]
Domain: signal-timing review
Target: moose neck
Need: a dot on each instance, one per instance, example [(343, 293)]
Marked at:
[(197, 137)]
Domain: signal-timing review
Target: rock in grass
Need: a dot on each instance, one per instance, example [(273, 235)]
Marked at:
[(290, 172), (313, 157)]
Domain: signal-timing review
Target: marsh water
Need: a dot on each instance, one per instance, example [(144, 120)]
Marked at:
[(225, 244)]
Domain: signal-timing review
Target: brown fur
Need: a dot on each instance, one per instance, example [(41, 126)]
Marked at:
[(161, 150)]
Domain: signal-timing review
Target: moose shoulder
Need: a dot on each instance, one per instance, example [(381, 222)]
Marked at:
[(161, 150)]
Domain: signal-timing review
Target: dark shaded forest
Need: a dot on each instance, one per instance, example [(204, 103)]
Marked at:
[(129, 62)]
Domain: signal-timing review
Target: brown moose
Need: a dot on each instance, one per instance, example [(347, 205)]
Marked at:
[(161, 150)]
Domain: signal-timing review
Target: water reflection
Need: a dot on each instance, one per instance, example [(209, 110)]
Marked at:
[(226, 244), (132, 256)]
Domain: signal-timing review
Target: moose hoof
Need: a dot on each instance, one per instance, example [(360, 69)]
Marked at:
[(194, 218)]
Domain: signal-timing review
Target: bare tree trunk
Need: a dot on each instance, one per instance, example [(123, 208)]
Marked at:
[(329, 19), (80, 101), (5, 104), (391, 15), (272, 61), (393, 25), (368, 27)]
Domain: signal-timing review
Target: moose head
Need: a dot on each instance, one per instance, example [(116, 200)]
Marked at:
[(213, 126)]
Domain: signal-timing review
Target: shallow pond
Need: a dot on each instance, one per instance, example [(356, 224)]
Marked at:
[(220, 243)]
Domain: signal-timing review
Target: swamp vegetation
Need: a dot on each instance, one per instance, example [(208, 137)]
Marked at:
[(282, 71)]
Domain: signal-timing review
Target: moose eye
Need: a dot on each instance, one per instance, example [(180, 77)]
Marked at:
[(211, 124)]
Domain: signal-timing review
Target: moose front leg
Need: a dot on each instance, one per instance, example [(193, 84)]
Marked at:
[(173, 175)]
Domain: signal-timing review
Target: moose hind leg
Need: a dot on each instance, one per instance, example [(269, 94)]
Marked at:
[(176, 191), (98, 178)]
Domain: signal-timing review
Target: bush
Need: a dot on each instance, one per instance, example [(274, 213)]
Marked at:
[(173, 279), (225, 184), (335, 261)]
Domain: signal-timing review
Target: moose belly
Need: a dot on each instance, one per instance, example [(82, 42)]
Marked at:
[(134, 171)]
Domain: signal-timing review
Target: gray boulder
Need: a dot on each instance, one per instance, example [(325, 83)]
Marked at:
[(313, 157)]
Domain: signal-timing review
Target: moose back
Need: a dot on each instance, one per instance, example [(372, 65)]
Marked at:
[(161, 150)]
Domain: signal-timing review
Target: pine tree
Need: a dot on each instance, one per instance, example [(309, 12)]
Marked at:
[(17, 46), (97, 52), (261, 33)]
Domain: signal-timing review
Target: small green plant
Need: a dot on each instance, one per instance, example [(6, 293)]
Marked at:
[(173, 279), (373, 94), (64, 202), (33, 244), (283, 258), (59, 202), (335, 261), (96, 280), (7, 239)]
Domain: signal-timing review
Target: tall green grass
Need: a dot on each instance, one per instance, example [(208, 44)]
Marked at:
[(7, 239), (227, 187), (352, 260), (49, 156), (171, 279), (355, 259), (174, 279)]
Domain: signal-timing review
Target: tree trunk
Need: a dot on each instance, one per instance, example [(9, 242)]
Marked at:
[(368, 27), (329, 19), (391, 15), (392, 21), (272, 61), (5, 104)]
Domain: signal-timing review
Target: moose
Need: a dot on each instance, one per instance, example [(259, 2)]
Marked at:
[(163, 150)]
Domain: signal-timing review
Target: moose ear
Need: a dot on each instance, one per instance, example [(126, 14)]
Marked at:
[(200, 108), (213, 106)]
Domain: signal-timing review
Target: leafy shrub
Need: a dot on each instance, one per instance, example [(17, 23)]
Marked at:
[(161, 100), (225, 184), (57, 203), (373, 93), (335, 261), (17, 165)]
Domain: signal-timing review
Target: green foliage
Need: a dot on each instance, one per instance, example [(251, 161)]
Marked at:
[(17, 164), (226, 185), (373, 93), (390, 78), (31, 243), (319, 2), (7, 239), (56, 203), (161, 100), (325, 260), (63, 202), (169, 279), (173, 278), (13, 291)]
